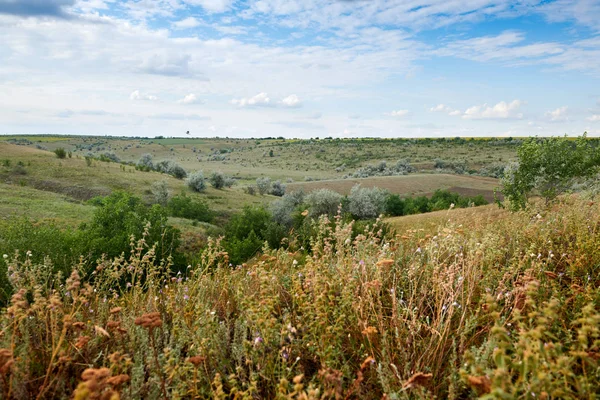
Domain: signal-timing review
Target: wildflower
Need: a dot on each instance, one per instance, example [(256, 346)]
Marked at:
[(5, 256), (128, 285), (258, 340), (29, 254)]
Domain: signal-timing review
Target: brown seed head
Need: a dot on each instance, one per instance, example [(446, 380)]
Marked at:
[(196, 360), (418, 379), (150, 320)]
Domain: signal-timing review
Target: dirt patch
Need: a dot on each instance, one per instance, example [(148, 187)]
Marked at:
[(76, 192)]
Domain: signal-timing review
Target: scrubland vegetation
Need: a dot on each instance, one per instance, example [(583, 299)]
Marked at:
[(159, 292), (508, 311)]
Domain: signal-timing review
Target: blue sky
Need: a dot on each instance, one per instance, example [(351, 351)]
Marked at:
[(300, 68)]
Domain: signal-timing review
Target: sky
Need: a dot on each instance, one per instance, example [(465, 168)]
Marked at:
[(300, 68)]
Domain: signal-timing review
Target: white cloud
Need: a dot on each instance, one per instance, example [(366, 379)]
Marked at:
[(502, 110), (440, 108), (594, 118), (261, 99), (136, 95), (186, 23), (291, 101), (189, 99), (212, 6), (445, 109), (560, 114), (399, 113)]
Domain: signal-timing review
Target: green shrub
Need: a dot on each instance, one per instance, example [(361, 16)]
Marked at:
[(394, 205), (217, 180), (121, 216), (184, 206), (60, 153)]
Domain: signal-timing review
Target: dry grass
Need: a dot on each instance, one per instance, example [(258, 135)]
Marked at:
[(505, 309), (472, 218)]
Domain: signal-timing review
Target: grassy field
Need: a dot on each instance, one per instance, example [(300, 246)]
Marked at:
[(57, 188), (248, 159)]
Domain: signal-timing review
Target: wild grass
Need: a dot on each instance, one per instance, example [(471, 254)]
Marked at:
[(503, 310)]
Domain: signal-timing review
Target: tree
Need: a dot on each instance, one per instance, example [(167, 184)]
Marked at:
[(548, 167)]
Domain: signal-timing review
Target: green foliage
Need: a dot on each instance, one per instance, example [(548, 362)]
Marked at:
[(121, 216), (394, 205), (217, 180), (171, 168), (60, 153), (246, 233), (548, 167), (109, 156), (39, 241), (184, 206), (440, 200)]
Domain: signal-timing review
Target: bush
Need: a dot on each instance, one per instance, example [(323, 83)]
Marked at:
[(171, 168), (121, 215), (60, 153), (229, 181), (109, 156), (245, 233), (458, 167), (217, 180), (367, 203), (196, 181), (282, 209), (160, 190), (323, 201), (277, 189), (493, 170), (145, 162), (394, 205), (263, 184), (183, 206), (251, 190)]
